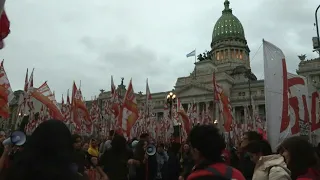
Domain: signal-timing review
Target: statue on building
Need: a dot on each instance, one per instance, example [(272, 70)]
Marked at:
[(122, 81), (302, 57), (204, 56), (208, 54), (200, 57)]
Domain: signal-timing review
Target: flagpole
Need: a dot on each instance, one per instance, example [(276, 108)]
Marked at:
[(195, 60)]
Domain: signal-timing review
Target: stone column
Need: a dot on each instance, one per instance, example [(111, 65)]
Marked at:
[(207, 108), (207, 105), (245, 115)]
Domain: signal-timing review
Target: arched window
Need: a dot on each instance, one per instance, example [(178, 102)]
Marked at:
[(233, 53), (241, 55), (218, 56)]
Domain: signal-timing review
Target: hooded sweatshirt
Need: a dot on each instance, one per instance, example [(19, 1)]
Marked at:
[(271, 167)]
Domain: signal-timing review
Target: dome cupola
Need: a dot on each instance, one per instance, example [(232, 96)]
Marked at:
[(228, 26), (229, 47)]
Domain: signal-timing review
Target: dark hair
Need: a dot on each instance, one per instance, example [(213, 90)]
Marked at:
[(262, 147), (144, 135), (139, 150), (74, 138), (208, 141), (47, 154), (302, 155), (175, 147), (161, 145), (118, 144), (253, 136), (111, 133)]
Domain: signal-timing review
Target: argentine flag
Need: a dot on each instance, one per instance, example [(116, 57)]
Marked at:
[(192, 53)]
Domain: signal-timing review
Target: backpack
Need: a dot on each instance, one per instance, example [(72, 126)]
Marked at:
[(219, 175)]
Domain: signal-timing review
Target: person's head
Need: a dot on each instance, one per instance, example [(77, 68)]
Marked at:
[(206, 143), (134, 143), (94, 161), (145, 137), (93, 143), (160, 148), (256, 149), (299, 155), (107, 145), (85, 146), (186, 147), (46, 153), (141, 149), (249, 137), (76, 141), (118, 144), (175, 147)]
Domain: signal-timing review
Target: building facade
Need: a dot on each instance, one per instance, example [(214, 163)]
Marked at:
[(229, 61)]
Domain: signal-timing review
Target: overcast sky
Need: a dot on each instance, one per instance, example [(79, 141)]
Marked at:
[(66, 40)]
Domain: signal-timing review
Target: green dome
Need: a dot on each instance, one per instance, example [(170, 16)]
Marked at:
[(227, 25)]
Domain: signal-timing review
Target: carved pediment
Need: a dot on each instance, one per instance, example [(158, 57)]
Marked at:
[(193, 90)]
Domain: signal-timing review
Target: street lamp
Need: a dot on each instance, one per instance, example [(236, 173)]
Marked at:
[(248, 75), (171, 97)]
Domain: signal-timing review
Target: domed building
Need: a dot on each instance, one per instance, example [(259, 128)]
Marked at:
[(229, 62)]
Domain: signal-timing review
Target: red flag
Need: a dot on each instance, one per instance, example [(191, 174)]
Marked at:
[(4, 28)]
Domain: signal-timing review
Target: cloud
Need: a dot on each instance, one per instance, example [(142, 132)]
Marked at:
[(90, 41)]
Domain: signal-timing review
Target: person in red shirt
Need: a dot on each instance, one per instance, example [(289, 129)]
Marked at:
[(207, 145)]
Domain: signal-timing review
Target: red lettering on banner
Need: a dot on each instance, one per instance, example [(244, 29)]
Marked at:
[(294, 104), (285, 103), (314, 99)]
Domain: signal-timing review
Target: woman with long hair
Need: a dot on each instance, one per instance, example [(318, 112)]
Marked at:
[(268, 166), (140, 160), (114, 160), (301, 158), (47, 155), (186, 161)]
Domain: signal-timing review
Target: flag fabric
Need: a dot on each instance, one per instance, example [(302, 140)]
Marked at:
[(46, 97), (81, 116), (276, 94), (224, 104), (129, 112), (4, 26), (191, 54), (6, 94)]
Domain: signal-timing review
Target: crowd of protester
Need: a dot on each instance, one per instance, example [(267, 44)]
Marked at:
[(53, 153)]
